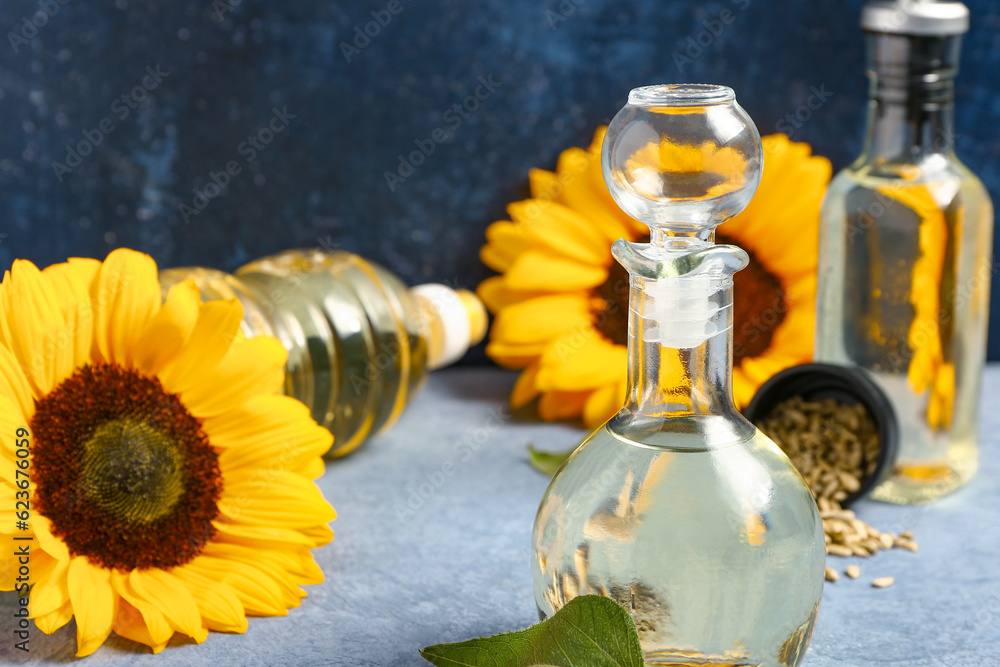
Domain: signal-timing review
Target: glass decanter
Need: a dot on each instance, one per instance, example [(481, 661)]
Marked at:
[(678, 507), (906, 246)]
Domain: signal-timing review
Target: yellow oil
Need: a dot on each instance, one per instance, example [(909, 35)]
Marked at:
[(904, 276), (714, 547), (357, 338)]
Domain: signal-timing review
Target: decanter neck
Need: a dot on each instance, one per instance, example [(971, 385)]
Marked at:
[(667, 381), (680, 328)]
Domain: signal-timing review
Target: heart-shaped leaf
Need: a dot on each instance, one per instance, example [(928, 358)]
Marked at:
[(590, 631)]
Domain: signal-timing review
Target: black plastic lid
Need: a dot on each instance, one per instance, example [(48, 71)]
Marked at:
[(846, 385)]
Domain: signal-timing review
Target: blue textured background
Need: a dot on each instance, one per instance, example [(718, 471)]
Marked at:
[(321, 181)]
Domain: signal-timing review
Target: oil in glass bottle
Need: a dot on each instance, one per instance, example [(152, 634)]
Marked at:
[(905, 251), (359, 341), (678, 507)]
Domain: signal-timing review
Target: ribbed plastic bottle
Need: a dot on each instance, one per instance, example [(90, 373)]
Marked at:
[(359, 341)]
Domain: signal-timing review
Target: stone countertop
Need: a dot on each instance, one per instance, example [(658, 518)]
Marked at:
[(432, 545)]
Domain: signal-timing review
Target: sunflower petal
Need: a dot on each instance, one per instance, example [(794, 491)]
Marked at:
[(525, 389), (542, 319), (172, 598), (543, 184), (579, 194), (215, 331), (94, 604), (230, 428), (560, 230), (49, 543), (534, 270), (258, 593), (319, 534), (556, 405), (292, 566), (11, 420), (253, 366), (603, 404), (494, 257), (581, 360), (313, 469), (33, 328), (496, 295), (51, 592), (263, 537), (505, 243), (218, 604), (512, 355), (126, 294), (165, 334), (132, 625), (274, 442), (139, 619), (14, 386), (274, 498), (51, 621), (72, 281)]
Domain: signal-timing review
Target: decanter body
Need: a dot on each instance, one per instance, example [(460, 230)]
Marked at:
[(678, 507), (359, 341), (905, 252)]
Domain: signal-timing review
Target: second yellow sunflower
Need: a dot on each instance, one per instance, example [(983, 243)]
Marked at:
[(561, 301)]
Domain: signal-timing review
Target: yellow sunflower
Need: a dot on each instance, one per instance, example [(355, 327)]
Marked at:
[(168, 487), (561, 303)]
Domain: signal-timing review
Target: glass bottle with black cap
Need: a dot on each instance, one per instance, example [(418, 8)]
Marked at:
[(905, 251)]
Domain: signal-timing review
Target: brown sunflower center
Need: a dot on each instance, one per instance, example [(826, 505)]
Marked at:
[(124, 472), (758, 306)]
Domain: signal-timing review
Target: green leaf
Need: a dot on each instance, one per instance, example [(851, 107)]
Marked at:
[(546, 462), (590, 631)]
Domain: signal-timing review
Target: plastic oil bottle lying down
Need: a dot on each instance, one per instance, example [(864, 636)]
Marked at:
[(359, 341)]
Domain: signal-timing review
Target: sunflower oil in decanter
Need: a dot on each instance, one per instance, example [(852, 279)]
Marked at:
[(677, 507), (706, 538), (359, 341)]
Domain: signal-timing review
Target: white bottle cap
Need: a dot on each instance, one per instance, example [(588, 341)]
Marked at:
[(462, 319)]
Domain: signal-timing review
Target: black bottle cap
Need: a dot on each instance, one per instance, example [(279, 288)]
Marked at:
[(846, 385)]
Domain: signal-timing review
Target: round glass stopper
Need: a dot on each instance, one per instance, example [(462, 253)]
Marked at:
[(682, 159)]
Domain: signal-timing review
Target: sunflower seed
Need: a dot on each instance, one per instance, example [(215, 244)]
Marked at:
[(839, 550), (849, 482), (836, 448)]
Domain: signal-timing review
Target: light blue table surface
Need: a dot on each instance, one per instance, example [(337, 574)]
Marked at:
[(432, 544)]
